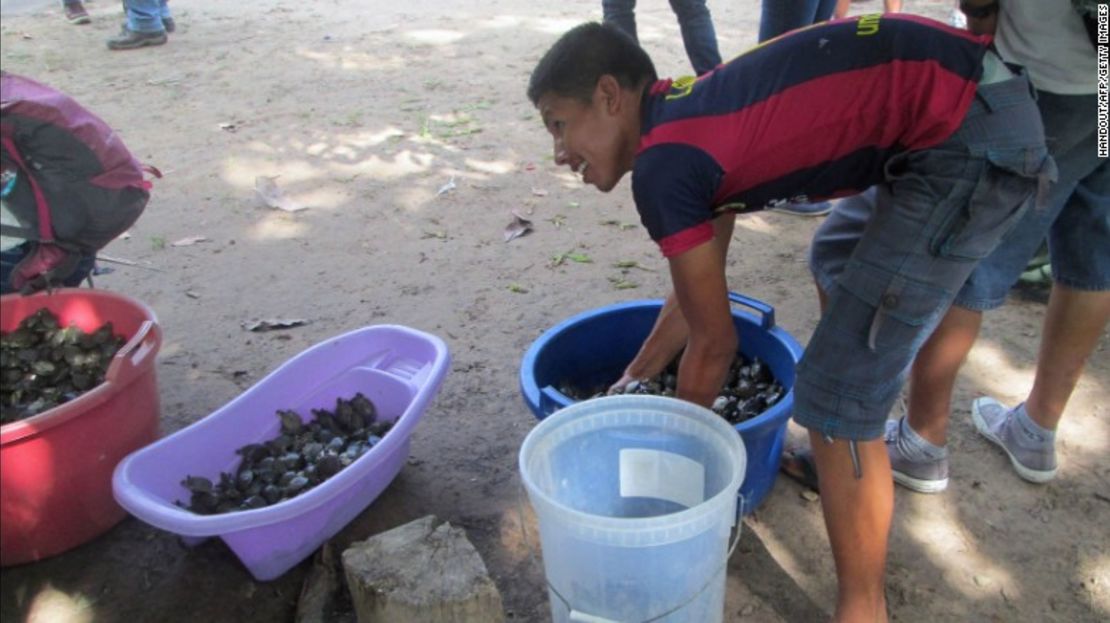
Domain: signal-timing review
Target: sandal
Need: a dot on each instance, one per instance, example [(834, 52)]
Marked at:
[(798, 465)]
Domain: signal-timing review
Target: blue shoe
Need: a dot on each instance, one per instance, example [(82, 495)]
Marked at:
[(804, 209)]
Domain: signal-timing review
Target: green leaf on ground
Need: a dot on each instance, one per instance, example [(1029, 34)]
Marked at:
[(574, 256), (620, 283), (631, 264)]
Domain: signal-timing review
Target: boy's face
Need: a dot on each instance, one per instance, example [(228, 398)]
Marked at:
[(592, 138)]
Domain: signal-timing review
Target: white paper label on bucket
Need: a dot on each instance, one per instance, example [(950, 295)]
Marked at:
[(662, 475)]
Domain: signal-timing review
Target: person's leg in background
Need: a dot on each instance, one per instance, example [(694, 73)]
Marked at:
[(1078, 312), (1079, 249), (144, 15), (698, 35), (622, 14), (889, 6), (1077, 217), (144, 26), (782, 16), (75, 12), (1072, 326), (167, 17)]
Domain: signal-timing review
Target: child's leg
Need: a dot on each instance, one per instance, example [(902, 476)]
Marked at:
[(781, 16), (1080, 237), (698, 35), (1079, 248), (933, 377), (1072, 327), (940, 212), (857, 514), (144, 16), (622, 14)]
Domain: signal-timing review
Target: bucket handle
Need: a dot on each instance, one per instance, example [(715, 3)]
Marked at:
[(582, 617), (551, 399), (128, 361), (768, 321)]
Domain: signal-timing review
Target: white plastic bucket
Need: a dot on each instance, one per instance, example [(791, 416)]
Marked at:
[(635, 498)]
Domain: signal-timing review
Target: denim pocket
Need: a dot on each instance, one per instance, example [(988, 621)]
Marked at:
[(1008, 183), (881, 321), (900, 307)]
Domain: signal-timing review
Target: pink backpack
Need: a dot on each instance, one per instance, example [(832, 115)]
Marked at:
[(73, 185)]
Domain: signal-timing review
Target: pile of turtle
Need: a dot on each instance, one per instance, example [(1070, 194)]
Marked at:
[(43, 364), (300, 457), (749, 389)]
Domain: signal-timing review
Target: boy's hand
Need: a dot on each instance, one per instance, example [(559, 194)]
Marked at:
[(666, 340), (699, 283), (618, 387)]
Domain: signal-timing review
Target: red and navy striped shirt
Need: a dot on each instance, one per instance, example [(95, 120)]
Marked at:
[(814, 114)]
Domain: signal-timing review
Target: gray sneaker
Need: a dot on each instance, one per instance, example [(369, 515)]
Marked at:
[(920, 476), (1033, 458)]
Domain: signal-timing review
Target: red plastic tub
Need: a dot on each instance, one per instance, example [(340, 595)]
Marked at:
[(56, 467)]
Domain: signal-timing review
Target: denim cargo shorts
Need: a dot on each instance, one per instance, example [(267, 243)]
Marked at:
[(1075, 219), (892, 260)]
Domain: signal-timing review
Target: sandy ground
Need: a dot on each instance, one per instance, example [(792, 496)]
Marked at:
[(366, 110)]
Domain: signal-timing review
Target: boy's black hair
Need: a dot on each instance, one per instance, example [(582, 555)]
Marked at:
[(572, 67)]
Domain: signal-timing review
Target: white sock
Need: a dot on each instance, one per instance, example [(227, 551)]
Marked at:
[(915, 447)]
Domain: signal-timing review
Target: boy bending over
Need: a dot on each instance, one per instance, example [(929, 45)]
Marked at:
[(949, 135)]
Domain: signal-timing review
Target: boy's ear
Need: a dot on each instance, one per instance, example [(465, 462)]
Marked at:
[(608, 93)]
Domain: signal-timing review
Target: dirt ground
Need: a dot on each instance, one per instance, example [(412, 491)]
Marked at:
[(366, 111)]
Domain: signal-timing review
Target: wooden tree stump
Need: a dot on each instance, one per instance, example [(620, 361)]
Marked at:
[(425, 571)]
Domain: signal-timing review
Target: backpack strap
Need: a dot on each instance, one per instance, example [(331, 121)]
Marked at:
[(153, 170), (46, 229), (15, 231)]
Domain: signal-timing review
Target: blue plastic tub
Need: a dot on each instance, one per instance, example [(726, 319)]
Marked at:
[(593, 348)]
